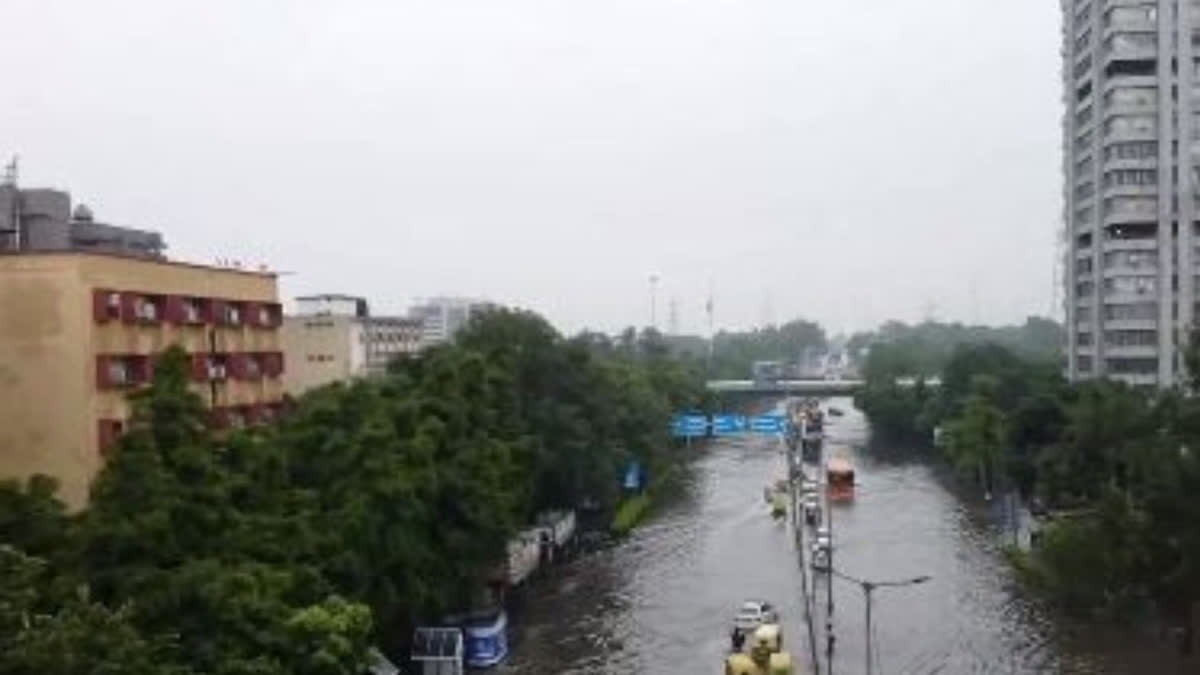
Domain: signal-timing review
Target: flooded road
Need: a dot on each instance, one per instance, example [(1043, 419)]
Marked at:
[(662, 602)]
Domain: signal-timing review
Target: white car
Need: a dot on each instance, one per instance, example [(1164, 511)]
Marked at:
[(754, 613)]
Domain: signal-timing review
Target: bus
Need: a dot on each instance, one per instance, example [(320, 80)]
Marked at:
[(839, 474)]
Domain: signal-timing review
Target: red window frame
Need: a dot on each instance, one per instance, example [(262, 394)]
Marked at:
[(103, 310)]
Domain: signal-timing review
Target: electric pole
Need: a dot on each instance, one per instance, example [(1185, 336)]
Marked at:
[(654, 301)]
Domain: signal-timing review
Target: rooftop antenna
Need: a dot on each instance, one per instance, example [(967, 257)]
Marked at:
[(9, 179)]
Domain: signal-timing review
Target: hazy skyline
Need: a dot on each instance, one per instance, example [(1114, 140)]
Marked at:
[(845, 162)]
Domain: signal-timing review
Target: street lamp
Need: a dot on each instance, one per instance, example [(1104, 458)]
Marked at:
[(869, 587)]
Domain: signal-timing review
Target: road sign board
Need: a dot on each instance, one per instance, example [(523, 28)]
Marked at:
[(768, 424), (685, 426), (728, 424)]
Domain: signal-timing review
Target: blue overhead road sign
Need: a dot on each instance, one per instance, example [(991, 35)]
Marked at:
[(689, 426), (768, 424), (728, 424)]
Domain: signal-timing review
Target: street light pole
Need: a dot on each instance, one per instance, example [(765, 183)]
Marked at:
[(868, 587)]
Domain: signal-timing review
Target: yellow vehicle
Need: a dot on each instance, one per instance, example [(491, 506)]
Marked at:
[(766, 655), (778, 505)]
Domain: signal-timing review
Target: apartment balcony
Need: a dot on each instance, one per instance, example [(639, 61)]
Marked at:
[(1135, 379), (1131, 351), (1131, 324)]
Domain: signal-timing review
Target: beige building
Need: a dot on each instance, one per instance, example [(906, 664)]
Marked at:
[(334, 337), (79, 331)]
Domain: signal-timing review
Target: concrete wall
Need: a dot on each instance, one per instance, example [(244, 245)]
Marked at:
[(46, 376)]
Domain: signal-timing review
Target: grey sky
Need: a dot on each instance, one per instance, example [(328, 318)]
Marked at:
[(846, 161)]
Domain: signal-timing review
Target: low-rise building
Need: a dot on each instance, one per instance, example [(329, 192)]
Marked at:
[(333, 337), (79, 331)]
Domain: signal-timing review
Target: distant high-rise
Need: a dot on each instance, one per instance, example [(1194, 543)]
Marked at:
[(1131, 147), (442, 317)]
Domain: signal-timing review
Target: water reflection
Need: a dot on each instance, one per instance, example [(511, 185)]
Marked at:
[(662, 601)]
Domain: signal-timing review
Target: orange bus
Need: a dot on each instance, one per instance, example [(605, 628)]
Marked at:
[(839, 474)]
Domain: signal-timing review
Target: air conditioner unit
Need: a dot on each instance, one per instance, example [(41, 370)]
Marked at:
[(232, 315)]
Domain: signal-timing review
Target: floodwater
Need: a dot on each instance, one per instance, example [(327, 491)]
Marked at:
[(662, 602)]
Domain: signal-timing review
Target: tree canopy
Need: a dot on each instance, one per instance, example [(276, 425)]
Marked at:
[(374, 504)]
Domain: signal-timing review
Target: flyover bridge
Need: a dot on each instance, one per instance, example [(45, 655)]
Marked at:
[(840, 387)]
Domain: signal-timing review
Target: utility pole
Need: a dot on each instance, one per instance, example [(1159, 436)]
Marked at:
[(798, 522), (654, 301), (829, 638), (868, 587), (708, 309)]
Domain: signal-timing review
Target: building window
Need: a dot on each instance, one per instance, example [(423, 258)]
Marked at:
[(1083, 339), (1084, 141), (114, 371), (1083, 314), (209, 367), (228, 313), (1083, 363), (1131, 150), (148, 309), (1131, 206), (106, 305), (1141, 97), (1131, 124), (1083, 116), (1121, 177)]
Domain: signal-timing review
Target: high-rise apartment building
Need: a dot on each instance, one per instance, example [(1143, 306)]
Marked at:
[(1131, 147), (80, 331)]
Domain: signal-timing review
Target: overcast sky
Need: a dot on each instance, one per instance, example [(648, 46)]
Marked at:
[(850, 162)]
